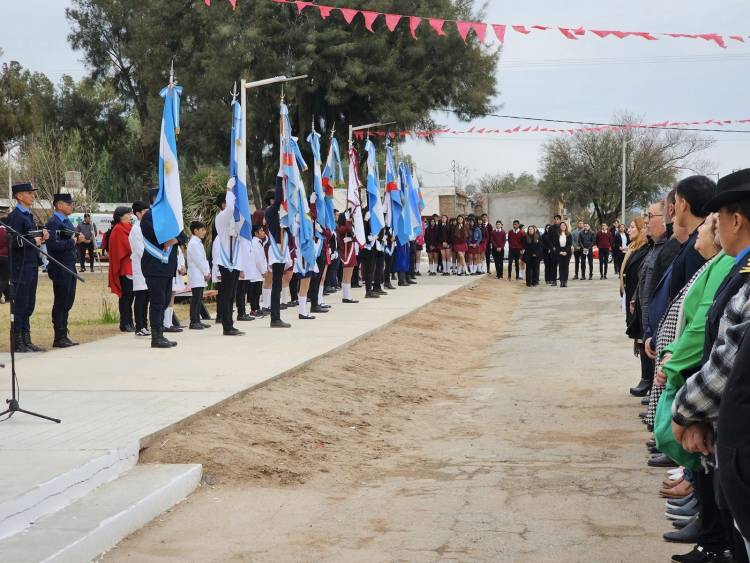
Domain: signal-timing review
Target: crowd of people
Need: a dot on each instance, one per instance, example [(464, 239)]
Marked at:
[(686, 298)]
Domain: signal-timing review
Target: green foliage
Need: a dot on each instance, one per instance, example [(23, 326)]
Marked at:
[(586, 169), (200, 191), (108, 313), (26, 102), (503, 183)]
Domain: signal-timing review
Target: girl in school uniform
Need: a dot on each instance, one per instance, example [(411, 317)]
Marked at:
[(432, 239), (444, 240), (532, 246), (460, 245), (563, 252), (348, 250)]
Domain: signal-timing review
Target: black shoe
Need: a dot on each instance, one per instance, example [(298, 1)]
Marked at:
[(205, 325), (575, 277), (265, 311), (688, 534), (305, 317), (402, 284), (356, 285), (197, 326), (127, 328), (233, 332), (681, 524), (417, 274), (642, 389), (283, 306), (653, 450), (661, 460), (380, 292), (371, 295), (650, 443), (293, 303), (446, 273), (64, 342), (20, 345), (245, 317), (701, 555), (318, 309), (280, 324), (390, 286), (217, 321), (410, 281), (645, 401), (173, 329), (31, 347), (349, 301), (591, 277), (158, 340)]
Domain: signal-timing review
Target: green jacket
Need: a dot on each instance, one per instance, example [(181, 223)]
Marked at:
[(687, 349)]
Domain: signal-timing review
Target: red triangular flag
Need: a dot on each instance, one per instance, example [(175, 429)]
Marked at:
[(325, 11), (540, 27), (602, 32), (480, 28), (370, 18), (579, 31), (302, 5), (233, 3), (735, 37), (499, 32), (463, 29), (207, 2), (718, 39), (437, 25), (348, 14), (567, 33), (391, 21), (521, 29), (414, 22)]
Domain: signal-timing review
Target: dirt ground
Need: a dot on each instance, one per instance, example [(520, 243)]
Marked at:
[(461, 433)]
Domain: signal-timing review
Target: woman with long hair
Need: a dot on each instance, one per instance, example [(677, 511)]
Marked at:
[(347, 254), (460, 245), (563, 248), (532, 250), (548, 246), (432, 240), (473, 245), (444, 244), (121, 266), (452, 256)]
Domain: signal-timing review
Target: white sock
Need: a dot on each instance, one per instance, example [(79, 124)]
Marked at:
[(168, 317), (302, 305), (266, 304), (347, 289), (320, 295), (285, 295)]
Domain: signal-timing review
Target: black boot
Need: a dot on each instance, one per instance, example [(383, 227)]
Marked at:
[(158, 340), (642, 389), (389, 285), (402, 279), (29, 344), (62, 340), (20, 346)]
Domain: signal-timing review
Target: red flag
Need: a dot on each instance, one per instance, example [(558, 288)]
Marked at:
[(499, 32), (716, 38), (737, 38), (325, 11), (521, 29), (302, 5), (579, 31), (207, 2), (567, 33), (463, 29), (480, 28), (391, 21), (414, 22), (233, 3), (370, 18), (437, 25), (348, 14), (540, 27)]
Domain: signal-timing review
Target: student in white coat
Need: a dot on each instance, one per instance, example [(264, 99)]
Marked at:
[(171, 323), (243, 285), (257, 270), (228, 258), (199, 272), (140, 290)]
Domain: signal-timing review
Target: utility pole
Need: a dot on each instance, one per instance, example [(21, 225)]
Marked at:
[(624, 174)]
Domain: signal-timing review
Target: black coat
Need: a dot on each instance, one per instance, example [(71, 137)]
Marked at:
[(61, 245), (567, 249), (151, 267), (630, 279), (533, 248), (26, 259)]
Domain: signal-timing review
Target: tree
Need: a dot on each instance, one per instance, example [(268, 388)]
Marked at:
[(26, 102), (586, 169), (503, 183), (354, 76)]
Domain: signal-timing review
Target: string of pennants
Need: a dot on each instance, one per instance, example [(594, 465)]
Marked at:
[(361, 135), (481, 29)]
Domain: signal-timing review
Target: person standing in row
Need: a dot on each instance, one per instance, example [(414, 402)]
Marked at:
[(121, 267), (486, 243), (228, 259), (577, 250), (460, 237), (604, 242), (532, 251), (446, 241), (140, 289), (87, 242), (199, 273), (497, 239), (563, 250), (61, 246), (587, 240), (620, 247), (516, 246), (549, 256)]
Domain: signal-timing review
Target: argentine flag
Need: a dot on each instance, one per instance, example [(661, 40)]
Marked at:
[(406, 226), (393, 201), (333, 177), (167, 208), (352, 198), (319, 198), (415, 211), (377, 220), (238, 171)]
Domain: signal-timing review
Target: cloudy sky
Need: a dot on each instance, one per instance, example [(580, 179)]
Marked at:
[(542, 75)]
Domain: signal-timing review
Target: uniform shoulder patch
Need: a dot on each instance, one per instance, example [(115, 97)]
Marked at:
[(746, 269)]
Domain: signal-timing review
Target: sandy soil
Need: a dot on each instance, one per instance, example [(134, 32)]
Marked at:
[(508, 444)]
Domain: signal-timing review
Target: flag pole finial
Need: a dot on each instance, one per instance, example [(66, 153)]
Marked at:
[(171, 73), (234, 92)]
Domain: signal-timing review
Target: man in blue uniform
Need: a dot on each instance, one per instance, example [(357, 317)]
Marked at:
[(25, 272), (62, 246)]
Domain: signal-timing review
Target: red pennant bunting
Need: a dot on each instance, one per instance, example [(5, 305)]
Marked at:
[(370, 18), (579, 31), (325, 11), (737, 38), (480, 28), (521, 29), (567, 33), (437, 25), (716, 38), (540, 27), (463, 29), (499, 32), (348, 14), (302, 5), (207, 2), (414, 22), (391, 21)]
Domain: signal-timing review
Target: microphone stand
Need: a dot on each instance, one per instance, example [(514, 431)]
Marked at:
[(13, 238)]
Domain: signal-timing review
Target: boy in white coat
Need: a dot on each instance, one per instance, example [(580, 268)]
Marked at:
[(140, 290), (257, 270), (199, 272)]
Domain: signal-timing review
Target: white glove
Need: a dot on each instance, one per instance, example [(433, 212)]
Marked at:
[(231, 183)]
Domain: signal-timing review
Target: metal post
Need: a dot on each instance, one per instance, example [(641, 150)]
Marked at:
[(624, 175), (10, 178)]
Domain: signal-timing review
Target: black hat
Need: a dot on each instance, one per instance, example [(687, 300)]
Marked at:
[(732, 188), (19, 188), (67, 198), (119, 212), (139, 206)]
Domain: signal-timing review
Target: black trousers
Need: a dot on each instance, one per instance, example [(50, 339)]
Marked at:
[(64, 291), (647, 364), (712, 536), (734, 470), (24, 286), (196, 301), (514, 257), (217, 287), (4, 277), (412, 258), (377, 280), (83, 249), (617, 258), (368, 261), (227, 292), (277, 271), (499, 258), (140, 309), (387, 266), (603, 261), (549, 274), (126, 302), (587, 258), (294, 287), (532, 270), (332, 279), (578, 255), (487, 257), (159, 296), (255, 293), (314, 290), (563, 267), (241, 298)]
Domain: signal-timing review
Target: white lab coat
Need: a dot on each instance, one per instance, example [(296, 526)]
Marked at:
[(259, 265), (178, 283), (215, 263), (197, 263), (227, 235), (136, 253)]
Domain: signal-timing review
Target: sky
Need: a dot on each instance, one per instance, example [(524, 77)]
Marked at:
[(540, 75)]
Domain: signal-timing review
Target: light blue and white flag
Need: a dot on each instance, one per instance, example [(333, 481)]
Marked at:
[(406, 225), (415, 216), (318, 198), (374, 203), (333, 177), (393, 200), (167, 208), (238, 171)]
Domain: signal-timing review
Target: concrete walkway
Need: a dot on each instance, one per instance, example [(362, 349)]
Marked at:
[(114, 393)]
